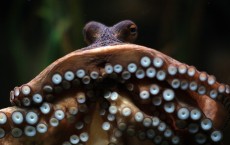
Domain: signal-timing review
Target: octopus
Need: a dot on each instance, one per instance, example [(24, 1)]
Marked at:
[(113, 92)]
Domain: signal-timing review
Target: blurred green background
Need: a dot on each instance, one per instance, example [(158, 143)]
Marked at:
[(34, 33)]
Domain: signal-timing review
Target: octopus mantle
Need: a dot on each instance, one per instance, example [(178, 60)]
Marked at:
[(117, 95)]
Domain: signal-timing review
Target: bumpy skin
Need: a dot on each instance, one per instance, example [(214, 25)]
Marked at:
[(114, 93)]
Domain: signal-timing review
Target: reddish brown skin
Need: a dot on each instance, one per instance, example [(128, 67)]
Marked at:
[(108, 45)]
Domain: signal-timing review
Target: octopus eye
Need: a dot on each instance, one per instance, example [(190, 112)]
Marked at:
[(133, 29), (92, 31), (125, 31)]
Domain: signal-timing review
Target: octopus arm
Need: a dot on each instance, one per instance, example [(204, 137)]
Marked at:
[(121, 94)]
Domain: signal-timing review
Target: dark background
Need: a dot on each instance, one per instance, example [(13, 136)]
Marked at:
[(34, 33)]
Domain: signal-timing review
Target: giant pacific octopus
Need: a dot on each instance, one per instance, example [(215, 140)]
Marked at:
[(113, 92)]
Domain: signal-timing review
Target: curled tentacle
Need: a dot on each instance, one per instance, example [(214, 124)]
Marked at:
[(127, 93)]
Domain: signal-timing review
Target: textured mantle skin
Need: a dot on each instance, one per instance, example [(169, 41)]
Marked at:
[(96, 59)]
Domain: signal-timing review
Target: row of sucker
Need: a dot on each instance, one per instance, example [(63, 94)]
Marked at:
[(49, 115), (81, 135), (131, 121), (147, 68), (121, 117), (187, 118)]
